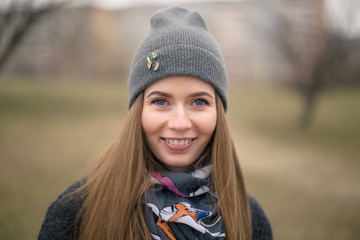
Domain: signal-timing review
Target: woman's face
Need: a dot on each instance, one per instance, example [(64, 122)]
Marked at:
[(178, 119)]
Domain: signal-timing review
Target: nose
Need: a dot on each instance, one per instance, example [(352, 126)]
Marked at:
[(179, 119)]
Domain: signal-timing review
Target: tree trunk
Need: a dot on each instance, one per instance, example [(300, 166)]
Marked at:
[(21, 22), (308, 109), (16, 39), (311, 92)]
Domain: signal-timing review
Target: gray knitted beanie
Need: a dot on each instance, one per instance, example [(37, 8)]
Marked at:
[(178, 44)]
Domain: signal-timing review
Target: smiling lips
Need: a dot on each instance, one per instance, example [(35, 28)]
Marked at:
[(178, 144)]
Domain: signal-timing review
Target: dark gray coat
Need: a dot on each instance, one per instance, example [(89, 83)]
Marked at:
[(60, 219)]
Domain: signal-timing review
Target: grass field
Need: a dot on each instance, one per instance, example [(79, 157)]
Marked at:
[(307, 182)]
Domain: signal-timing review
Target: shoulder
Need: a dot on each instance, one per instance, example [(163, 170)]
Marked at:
[(261, 229), (60, 218)]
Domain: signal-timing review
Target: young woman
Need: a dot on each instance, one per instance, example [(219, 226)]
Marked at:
[(173, 172)]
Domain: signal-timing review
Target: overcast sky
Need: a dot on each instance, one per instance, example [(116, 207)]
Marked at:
[(342, 14), (125, 3)]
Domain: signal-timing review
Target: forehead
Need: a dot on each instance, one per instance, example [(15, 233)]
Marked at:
[(175, 84)]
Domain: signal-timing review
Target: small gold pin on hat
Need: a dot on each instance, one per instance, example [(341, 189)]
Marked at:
[(149, 63)]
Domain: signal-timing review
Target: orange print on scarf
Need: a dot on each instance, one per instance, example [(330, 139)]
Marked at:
[(165, 227), (182, 211)]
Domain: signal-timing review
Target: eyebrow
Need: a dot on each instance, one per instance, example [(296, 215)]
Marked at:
[(196, 94), (158, 93)]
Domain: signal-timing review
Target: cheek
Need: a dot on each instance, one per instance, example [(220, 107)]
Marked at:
[(208, 124), (212, 121), (146, 123), (151, 123)]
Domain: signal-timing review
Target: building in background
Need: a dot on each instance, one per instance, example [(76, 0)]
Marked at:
[(262, 41)]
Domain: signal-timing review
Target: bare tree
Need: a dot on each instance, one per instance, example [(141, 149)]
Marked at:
[(295, 39), (300, 38), (339, 56), (16, 20)]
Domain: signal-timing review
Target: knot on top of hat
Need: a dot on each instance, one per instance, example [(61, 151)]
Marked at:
[(177, 17)]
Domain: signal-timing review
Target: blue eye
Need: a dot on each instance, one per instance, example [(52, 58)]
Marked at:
[(159, 102), (200, 102)]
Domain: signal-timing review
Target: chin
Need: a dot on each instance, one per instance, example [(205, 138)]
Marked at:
[(176, 167)]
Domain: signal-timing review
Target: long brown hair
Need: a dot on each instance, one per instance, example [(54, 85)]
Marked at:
[(119, 179), (229, 182)]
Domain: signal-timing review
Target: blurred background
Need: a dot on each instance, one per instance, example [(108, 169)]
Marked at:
[(294, 69)]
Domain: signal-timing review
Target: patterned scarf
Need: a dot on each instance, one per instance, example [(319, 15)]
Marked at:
[(180, 206)]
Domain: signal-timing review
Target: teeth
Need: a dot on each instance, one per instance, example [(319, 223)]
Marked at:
[(177, 142)]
